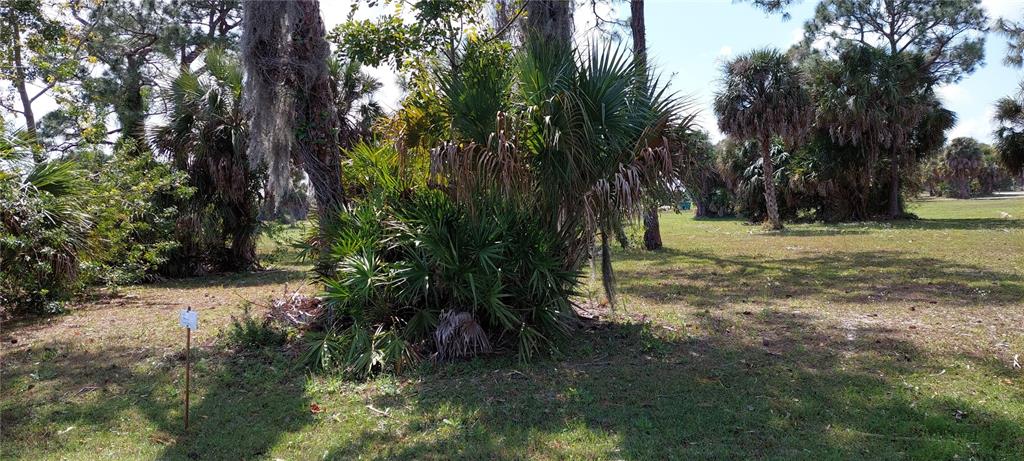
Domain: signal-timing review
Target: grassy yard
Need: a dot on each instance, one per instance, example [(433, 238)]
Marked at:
[(894, 340)]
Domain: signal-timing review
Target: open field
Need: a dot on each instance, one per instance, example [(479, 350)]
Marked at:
[(898, 340)]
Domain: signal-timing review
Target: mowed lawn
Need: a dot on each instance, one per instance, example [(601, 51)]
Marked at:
[(899, 340)]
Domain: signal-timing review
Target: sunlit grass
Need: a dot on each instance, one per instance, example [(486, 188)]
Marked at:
[(853, 341)]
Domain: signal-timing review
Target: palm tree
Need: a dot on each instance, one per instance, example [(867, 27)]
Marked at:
[(878, 103), (576, 139), (1010, 133), (963, 160), (357, 110), (763, 97), (206, 137)]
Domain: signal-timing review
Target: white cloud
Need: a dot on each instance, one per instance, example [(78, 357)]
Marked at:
[(725, 50), (796, 36), (952, 94), (979, 128), (1003, 8)]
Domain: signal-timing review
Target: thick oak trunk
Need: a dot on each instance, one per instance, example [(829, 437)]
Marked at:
[(316, 118), (550, 20)]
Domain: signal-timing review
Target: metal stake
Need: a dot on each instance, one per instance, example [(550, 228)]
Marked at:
[(188, 350)]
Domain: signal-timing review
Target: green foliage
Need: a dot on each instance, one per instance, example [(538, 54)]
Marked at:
[(134, 204), (700, 175), (250, 333), (963, 159), (763, 96), (743, 164), (400, 266), (206, 140), (375, 42), (43, 231), (1014, 33), (1010, 131), (378, 171), (477, 89), (950, 32), (390, 40), (580, 141)]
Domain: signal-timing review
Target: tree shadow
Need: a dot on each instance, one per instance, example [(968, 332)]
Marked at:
[(819, 231), (241, 279), (794, 390), (705, 279), (241, 405), (959, 224)]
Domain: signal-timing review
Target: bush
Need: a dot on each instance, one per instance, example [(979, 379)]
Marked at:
[(133, 201), (429, 275), (249, 333), (42, 235)]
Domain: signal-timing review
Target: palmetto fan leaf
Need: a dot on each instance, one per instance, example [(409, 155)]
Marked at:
[(581, 139), (1010, 132), (206, 136), (761, 96)]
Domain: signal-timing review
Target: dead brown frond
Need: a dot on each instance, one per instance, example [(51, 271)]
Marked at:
[(458, 335), (297, 310)]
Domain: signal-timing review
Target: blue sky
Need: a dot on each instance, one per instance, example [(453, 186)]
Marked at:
[(689, 40)]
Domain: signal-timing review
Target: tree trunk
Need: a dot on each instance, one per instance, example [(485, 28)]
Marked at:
[(243, 249), (700, 209), (607, 273), (316, 119), (637, 27), (550, 20), (652, 229), (620, 235), (895, 207), (768, 171), (963, 187), (130, 108), (26, 100)]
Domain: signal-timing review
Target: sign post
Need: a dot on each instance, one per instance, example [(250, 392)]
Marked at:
[(190, 320)]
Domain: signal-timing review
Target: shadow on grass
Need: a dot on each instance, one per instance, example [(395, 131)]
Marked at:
[(798, 392), (705, 279), (771, 385), (859, 228), (241, 405), (959, 224), (291, 276)]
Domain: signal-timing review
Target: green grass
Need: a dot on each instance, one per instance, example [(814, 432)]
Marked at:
[(855, 341)]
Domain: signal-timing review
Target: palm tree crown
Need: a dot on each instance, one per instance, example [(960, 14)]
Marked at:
[(1010, 133), (762, 96)]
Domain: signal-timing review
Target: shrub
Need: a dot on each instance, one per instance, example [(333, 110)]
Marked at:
[(430, 275), (133, 201), (250, 333), (42, 235)]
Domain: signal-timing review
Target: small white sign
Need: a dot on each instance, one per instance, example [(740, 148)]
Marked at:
[(189, 319)]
